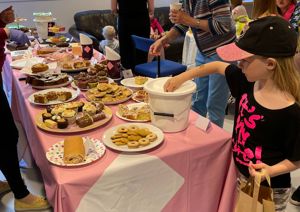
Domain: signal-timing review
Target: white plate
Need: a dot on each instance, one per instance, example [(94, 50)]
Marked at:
[(55, 153), (110, 132), (138, 100), (27, 69), (129, 82), (82, 89), (20, 54), (74, 96), (130, 106), (22, 63), (54, 86), (49, 40), (86, 95)]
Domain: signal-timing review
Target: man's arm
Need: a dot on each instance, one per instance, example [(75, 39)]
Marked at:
[(151, 7), (114, 6)]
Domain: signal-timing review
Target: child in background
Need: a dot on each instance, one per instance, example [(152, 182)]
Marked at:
[(156, 30), (266, 85), (239, 15), (109, 33)]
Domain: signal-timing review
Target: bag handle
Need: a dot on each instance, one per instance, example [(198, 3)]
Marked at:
[(257, 181)]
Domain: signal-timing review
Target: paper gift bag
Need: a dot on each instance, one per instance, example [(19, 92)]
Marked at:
[(255, 198), (114, 63)]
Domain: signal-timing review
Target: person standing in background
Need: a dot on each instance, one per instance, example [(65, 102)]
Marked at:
[(290, 11), (212, 27), (133, 19), (239, 15), (9, 162)]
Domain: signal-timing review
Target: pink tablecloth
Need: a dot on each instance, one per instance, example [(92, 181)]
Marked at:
[(191, 171)]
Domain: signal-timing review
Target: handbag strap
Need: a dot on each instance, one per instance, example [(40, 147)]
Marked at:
[(256, 186)]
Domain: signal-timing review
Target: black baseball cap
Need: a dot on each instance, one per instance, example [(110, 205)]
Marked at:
[(271, 36)]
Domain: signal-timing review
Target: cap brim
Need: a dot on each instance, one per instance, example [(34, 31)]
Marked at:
[(231, 52)]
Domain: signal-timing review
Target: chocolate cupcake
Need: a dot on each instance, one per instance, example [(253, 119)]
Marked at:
[(82, 84), (46, 116), (80, 106), (62, 123)]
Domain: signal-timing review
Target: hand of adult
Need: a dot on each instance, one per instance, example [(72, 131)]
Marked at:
[(7, 16), (19, 37), (156, 47), (180, 17)]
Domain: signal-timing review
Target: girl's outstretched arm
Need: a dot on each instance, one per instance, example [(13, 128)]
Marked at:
[(199, 71)]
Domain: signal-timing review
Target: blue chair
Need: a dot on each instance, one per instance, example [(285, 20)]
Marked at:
[(157, 68)]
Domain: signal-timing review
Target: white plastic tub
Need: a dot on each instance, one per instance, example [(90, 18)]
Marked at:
[(170, 110)]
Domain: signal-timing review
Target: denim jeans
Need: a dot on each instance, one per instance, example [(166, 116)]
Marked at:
[(212, 93)]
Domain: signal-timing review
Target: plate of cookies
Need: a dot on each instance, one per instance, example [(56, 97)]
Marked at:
[(109, 93), (75, 151), (133, 137), (72, 117)]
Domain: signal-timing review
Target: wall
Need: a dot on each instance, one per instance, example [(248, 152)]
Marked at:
[(63, 10)]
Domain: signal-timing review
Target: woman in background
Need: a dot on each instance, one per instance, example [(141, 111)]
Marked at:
[(9, 162), (133, 20), (290, 11)]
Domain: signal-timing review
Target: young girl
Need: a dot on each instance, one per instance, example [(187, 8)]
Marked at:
[(156, 30), (266, 86)]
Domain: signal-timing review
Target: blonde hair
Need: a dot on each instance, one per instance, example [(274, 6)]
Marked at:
[(109, 32), (264, 8), (287, 77)]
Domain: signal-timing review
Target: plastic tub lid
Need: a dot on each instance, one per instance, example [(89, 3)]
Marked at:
[(156, 86)]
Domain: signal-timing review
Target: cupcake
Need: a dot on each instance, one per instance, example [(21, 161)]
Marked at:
[(57, 110), (46, 116), (62, 123), (70, 116), (82, 83), (89, 108), (79, 105)]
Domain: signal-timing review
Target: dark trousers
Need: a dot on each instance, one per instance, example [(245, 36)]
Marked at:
[(9, 163), (132, 26)]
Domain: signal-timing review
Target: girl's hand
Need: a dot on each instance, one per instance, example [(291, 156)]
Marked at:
[(254, 169), (172, 84)]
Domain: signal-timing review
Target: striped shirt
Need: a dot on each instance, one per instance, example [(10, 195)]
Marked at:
[(221, 25)]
